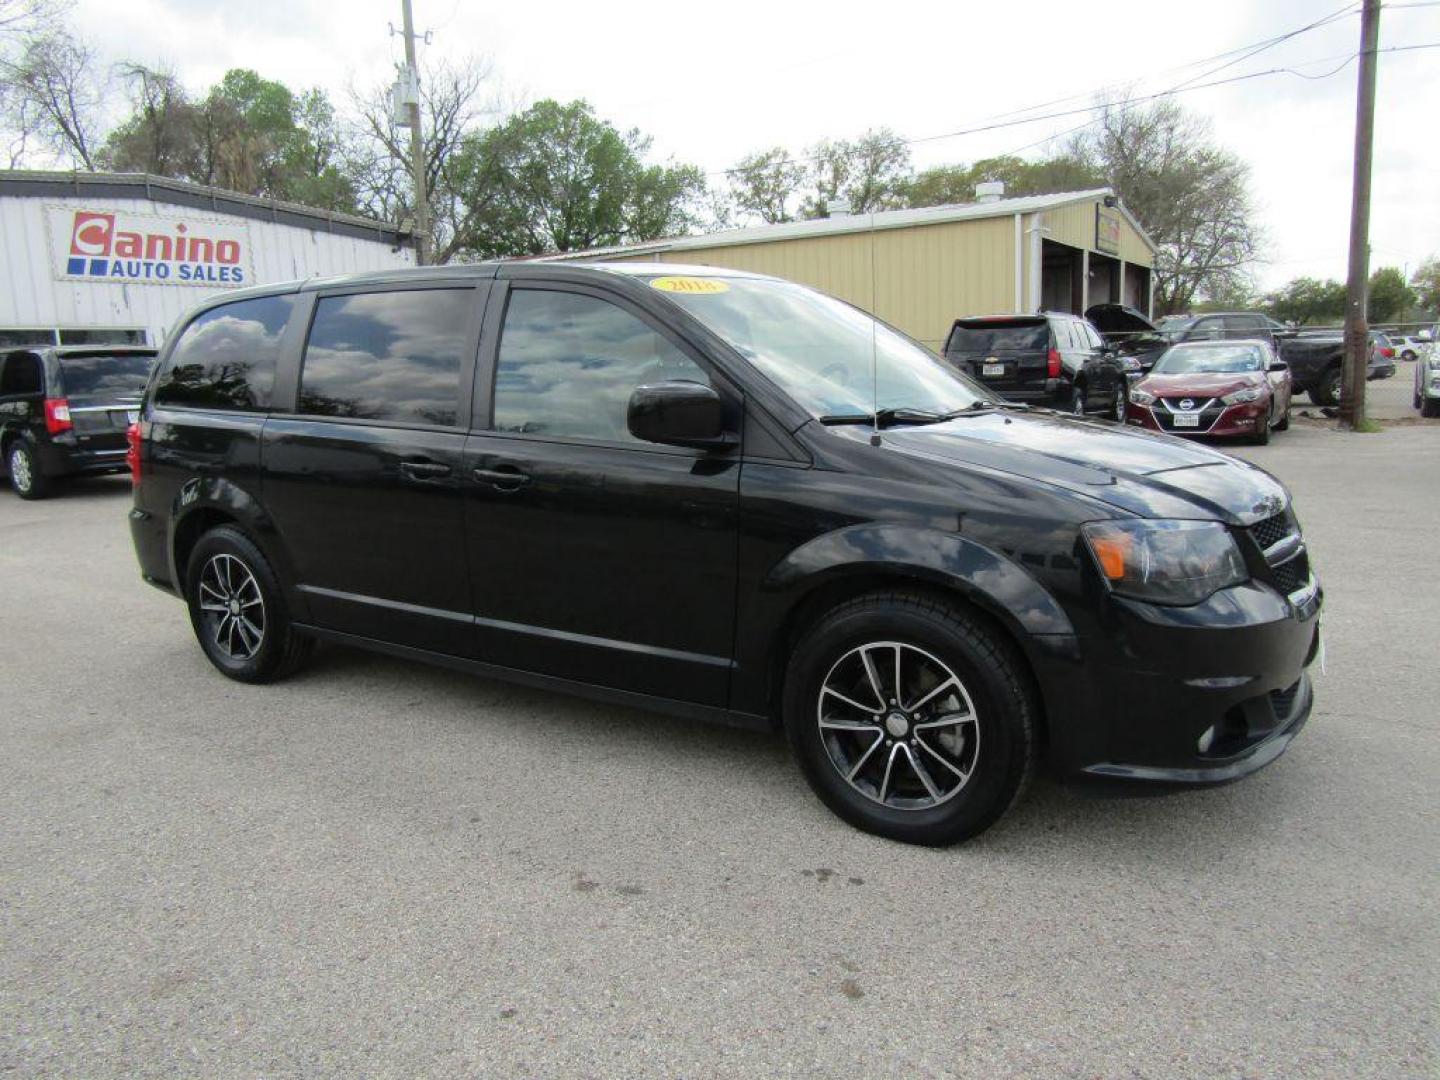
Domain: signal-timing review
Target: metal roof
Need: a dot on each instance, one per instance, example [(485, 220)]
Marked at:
[(858, 223), (25, 183)]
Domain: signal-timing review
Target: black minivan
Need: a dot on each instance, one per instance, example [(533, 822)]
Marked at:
[(64, 411), (729, 497)]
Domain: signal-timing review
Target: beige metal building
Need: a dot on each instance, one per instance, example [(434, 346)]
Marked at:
[(922, 269)]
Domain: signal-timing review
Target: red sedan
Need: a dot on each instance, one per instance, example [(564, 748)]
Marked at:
[(1233, 389)]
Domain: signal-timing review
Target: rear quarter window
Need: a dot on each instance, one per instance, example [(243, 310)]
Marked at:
[(226, 357)]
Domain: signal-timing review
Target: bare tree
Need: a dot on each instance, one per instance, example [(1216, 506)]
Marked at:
[(376, 151), (159, 136), (54, 94), (1191, 196)]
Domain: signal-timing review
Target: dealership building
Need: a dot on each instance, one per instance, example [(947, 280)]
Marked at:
[(921, 269), (110, 258)]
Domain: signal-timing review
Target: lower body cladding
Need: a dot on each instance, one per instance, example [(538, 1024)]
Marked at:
[(1183, 696), (1245, 420)]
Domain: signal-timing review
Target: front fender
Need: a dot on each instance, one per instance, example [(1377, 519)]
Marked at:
[(946, 559)]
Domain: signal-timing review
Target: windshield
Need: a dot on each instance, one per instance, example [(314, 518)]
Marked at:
[(833, 359), (989, 337), (1174, 323), (105, 376), (1183, 360)]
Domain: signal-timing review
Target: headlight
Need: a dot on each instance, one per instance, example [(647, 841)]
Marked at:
[(1141, 397), (1249, 393), (1165, 562)]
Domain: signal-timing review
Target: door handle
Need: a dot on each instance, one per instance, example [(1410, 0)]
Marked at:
[(502, 479), (424, 470)]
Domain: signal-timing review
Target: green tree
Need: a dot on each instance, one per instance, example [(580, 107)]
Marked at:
[(872, 172), (557, 178), (949, 184), (1426, 283), (766, 185), (1307, 300), (1191, 196), (1388, 297)]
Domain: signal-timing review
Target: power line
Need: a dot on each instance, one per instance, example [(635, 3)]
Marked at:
[(986, 123), (1124, 104)]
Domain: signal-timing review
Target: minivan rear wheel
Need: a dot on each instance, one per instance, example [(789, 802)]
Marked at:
[(25, 475), (910, 718), (238, 611)]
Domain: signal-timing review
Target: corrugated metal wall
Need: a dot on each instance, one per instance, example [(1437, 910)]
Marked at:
[(31, 296), (924, 276)]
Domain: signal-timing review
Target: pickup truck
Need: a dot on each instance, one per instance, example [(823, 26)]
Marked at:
[(1314, 357)]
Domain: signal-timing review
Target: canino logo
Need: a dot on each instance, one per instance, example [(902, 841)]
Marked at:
[(91, 233), (106, 244)]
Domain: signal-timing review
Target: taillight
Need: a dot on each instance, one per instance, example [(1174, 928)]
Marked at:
[(132, 452), (1389, 354), (57, 415), (1052, 360)]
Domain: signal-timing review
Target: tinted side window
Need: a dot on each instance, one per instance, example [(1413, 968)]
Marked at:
[(226, 358), (568, 364), (22, 375), (1092, 336), (387, 356)]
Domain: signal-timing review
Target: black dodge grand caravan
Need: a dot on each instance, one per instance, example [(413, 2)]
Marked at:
[(725, 496)]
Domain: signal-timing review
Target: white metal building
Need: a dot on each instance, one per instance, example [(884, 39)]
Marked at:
[(88, 258)]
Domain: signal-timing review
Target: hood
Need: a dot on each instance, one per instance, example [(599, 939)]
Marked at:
[(1119, 319), (1200, 384), (1145, 474)]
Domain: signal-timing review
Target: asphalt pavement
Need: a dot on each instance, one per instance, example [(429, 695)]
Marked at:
[(382, 869)]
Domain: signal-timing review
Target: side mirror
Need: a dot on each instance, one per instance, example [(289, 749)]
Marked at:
[(678, 413), (1279, 365)]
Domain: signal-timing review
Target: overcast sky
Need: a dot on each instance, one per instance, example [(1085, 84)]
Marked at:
[(712, 81)]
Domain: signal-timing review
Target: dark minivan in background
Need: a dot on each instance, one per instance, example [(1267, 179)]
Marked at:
[(64, 411), (730, 497), (1052, 359)]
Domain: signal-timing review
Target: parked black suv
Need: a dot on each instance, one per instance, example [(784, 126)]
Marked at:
[(64, 411), (1051, 359), (731, 497)]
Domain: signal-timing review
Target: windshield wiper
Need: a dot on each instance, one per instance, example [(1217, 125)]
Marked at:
[(884, 418)]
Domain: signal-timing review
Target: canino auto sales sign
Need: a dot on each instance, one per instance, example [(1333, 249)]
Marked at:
[(114, 246)]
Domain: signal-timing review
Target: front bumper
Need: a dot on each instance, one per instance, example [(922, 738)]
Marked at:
[(1187, 696), (1232, 421)]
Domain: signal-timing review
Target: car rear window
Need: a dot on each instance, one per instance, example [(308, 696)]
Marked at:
[(99, 375), (996, 336)]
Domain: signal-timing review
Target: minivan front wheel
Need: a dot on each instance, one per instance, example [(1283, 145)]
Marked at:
[(238, 611), (910, 718)]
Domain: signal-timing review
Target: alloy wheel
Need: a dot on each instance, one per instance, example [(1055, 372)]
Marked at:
[(20, 469), (898, 725), (232, 606)]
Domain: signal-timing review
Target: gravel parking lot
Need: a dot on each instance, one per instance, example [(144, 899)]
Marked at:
[(381, 869)]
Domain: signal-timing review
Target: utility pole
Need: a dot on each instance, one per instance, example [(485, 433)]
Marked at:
[(417, 141), (1357, 344)]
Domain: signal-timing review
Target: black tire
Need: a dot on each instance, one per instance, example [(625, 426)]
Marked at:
[(1408, 354), (1283, 424), (1418, 400), (1430, 408), (1326, 390), (993, 678), (1262, 435), (24, 467), (279, 650)]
